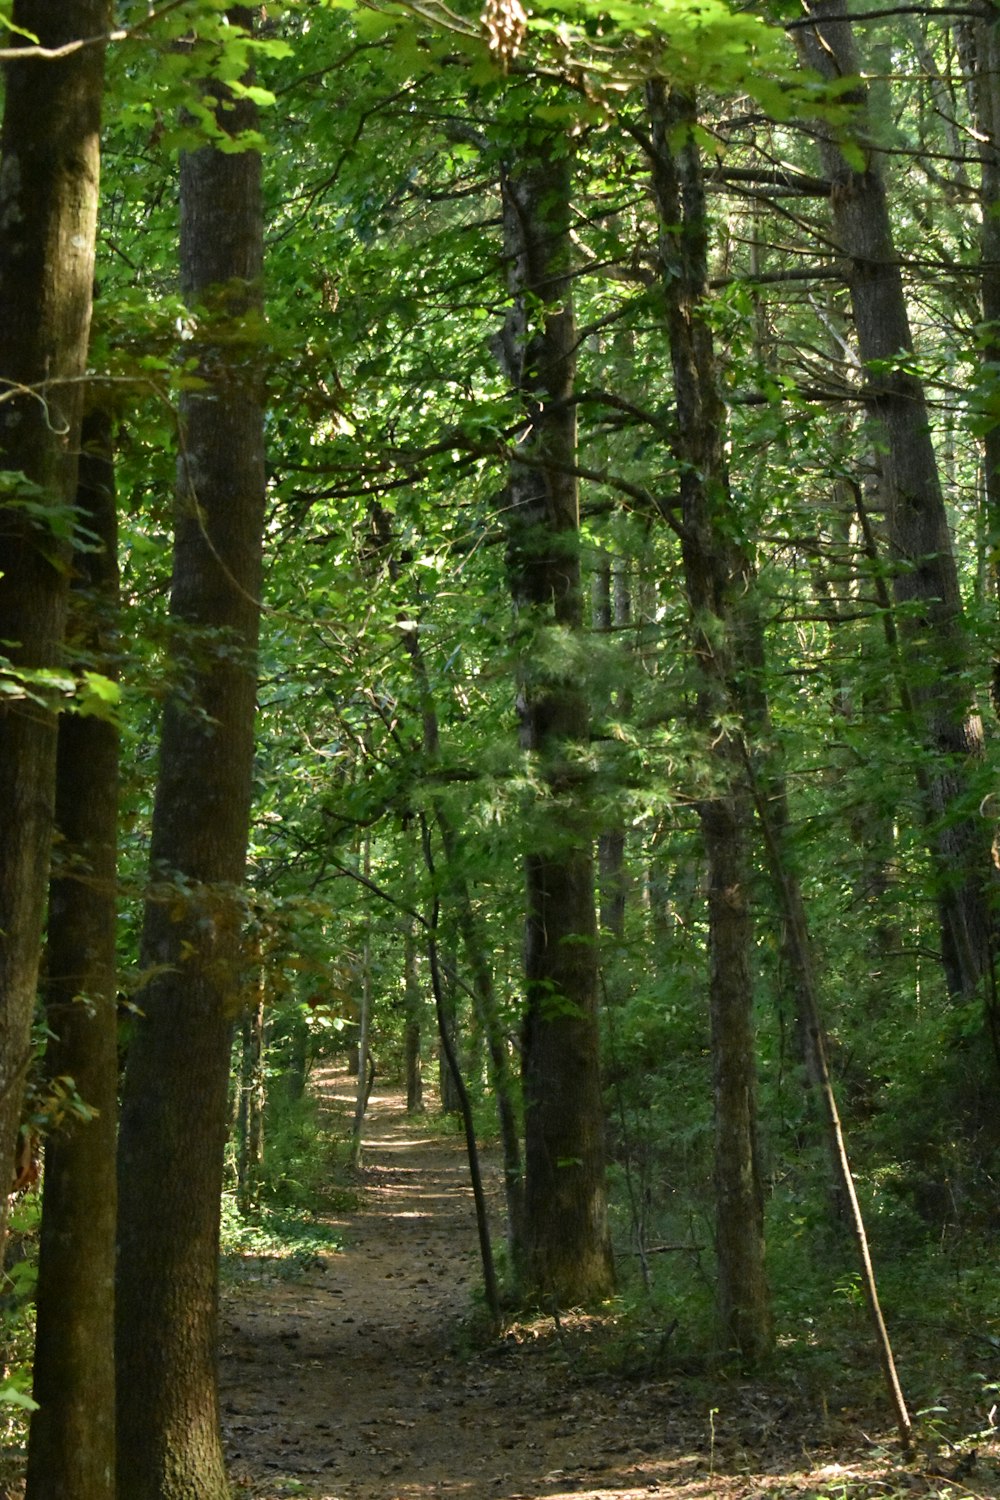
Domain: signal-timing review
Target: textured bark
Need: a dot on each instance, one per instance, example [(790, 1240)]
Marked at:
[(567, 1253), (175, 1108), (925, 579), (984, 58), (72, 1444), (49, 163), (719, 587)]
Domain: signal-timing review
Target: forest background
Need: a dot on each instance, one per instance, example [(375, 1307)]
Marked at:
[(593, 414)]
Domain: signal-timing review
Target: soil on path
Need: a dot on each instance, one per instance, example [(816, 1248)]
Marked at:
[(357, 1380)]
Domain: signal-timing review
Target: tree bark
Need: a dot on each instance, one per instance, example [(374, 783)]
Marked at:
[(984, 57), (252, 1089), (72, 1442), (49, 167), (719, 584), (364, 1025), (413, 1010), (924, 575), (567, 1255), (175, 1105), (612, 608)]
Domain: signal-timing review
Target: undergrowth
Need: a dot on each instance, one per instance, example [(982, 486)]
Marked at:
[(272, 1240)]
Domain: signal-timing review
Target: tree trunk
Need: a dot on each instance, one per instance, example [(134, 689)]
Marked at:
[(364, 1027), (252, 1092), (175, 1106), (414, 1011), (448, 1091), (473, 940), (567, 1254), (984, 57), (72, 1444), (612, 608), (719, 588), (49, 165), (925, 579), (798, 936)]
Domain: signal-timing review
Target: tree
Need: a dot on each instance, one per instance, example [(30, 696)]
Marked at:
[(174, 1110), (72, 1441), (49, 166), (925, 581), (720, 587), (566, 1250)]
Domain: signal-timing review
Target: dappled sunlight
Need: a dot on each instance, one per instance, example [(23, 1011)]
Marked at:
[(362, 1377)]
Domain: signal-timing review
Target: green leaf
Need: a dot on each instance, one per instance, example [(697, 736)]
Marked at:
[(11, 1395)]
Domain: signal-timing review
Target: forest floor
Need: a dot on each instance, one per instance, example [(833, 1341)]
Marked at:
[(359, 1379)]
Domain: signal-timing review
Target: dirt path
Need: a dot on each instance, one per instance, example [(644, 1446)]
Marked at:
[(355, 1381)]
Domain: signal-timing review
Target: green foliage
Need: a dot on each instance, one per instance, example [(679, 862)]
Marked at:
[(386, 293), (273, 1242), (17, 1324)]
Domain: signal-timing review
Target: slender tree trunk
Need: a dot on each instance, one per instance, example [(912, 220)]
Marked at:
[(612, 609), (72, 1444), (252, 1091), (364, 1027), (49, 164), (175, 1105), (719, 587), (567, 1253), (925, 579), (808, 993), (448, 1090), (414, 1011), (473, 939)]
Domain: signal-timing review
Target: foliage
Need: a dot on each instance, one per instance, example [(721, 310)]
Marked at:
[(390, 431), (17, 1323)]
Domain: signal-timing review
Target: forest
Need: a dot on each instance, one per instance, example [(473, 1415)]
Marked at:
[(500, 592)]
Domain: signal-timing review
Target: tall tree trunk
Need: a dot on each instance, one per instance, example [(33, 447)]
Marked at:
[(567, 1253), (175, 1107), (984, 57), (72, 1444), (925, 579), (49, 165), (719, 585)]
